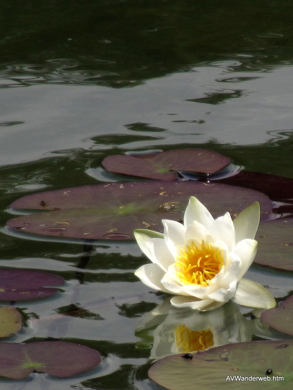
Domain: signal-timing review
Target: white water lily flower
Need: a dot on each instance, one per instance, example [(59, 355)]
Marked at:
[(203, 260)]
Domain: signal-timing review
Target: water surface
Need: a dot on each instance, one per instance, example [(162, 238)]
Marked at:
[(79, 82)]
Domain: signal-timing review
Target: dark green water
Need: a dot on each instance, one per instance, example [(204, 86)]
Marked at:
[(83, 80)]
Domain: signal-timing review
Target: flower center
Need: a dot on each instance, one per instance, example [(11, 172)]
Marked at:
[(199, 263), (188, 340)]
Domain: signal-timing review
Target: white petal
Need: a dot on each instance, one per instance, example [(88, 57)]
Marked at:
[(197, 232), (232, 269), (246, 223), (192, 303), (161, 254), (252, 294), (212, 306), (144, 237), (170, 283), (199, 291), (246, 250), (151, 275), (222, 229), (196, 211), (224, 294), (174, 233)]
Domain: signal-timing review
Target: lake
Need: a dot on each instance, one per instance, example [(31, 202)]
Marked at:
[(82, 81)]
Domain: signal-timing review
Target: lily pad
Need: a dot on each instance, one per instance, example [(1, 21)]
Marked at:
[(10, 321), (26, 285), (164, 165), (218, 368), (278, 188), (113, 211), (281, 317), (56, 358), (275, 247)]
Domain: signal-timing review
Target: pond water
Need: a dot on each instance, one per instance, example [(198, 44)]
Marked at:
[(79, 82)]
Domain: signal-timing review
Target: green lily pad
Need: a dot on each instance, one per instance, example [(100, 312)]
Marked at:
[(26, 285), (164, 165), (113, 211), (10, 321), (281, 317), (56, 358), (275, 247), (218, 368)]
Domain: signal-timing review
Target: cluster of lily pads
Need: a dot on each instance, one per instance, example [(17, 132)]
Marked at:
[(18, 360), (112, 211)]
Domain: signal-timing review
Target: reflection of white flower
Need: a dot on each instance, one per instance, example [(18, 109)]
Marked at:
[(203, 261), (170, 332)]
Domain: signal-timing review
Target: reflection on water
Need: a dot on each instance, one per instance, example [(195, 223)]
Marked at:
[(193, 340), (121, 43), (62, 120), (169, 331)]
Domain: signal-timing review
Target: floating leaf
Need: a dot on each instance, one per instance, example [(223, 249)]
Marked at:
[(113, 211), (275, 247), (281, 317), (216, 368), (57, 358), (278, 188), (10, 321), (24, 285), (164, 165)]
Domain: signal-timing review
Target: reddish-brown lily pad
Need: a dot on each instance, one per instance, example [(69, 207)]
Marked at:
[(278, 188), (235, 366), (114, 211), (281, 317), (56, 358), (275, 247), (10, 321), (165, 165), (25, 285)]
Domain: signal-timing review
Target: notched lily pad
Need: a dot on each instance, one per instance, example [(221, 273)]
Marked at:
[(281, 317), (10, 321), (25, 285), (275, 247), (165, 165), (56, 358), (113, 211), (219, 367)]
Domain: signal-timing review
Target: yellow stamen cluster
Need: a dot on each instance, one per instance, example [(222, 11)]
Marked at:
[(188, 340), (199, 263)]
